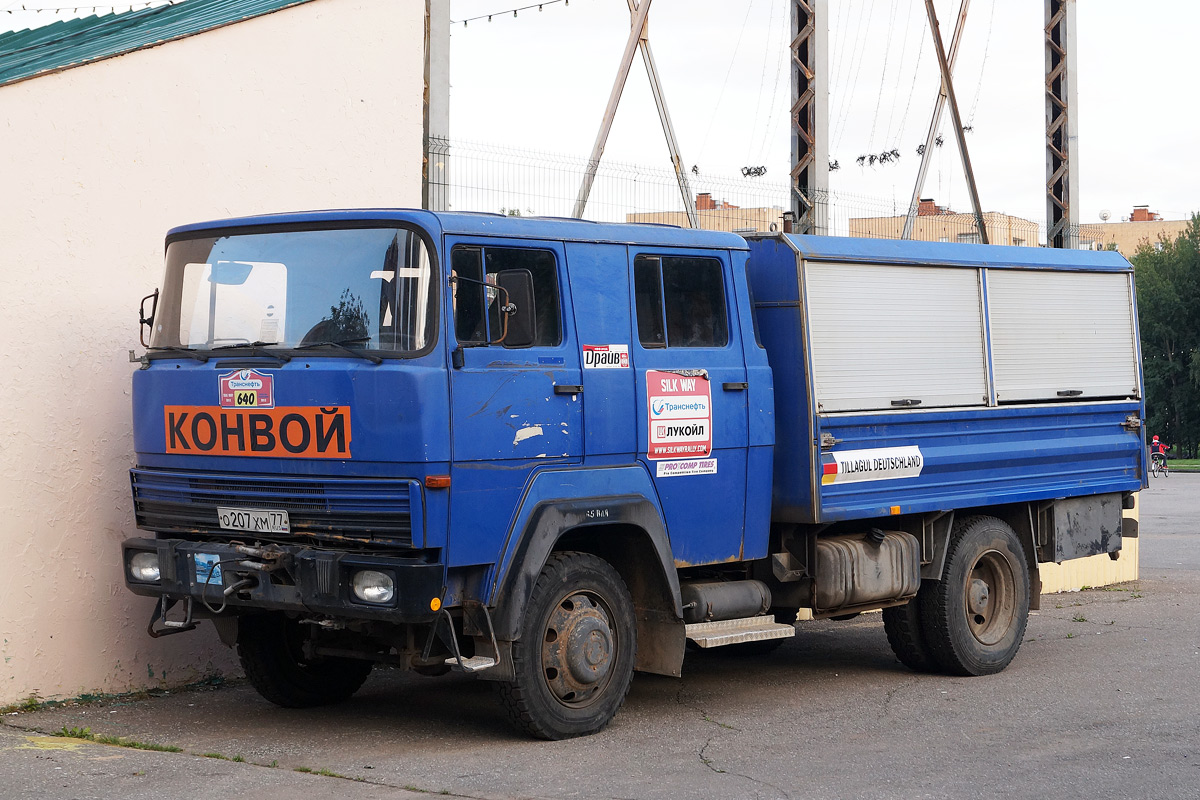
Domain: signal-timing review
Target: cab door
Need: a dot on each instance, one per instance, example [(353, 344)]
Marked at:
[(513, 409), (692, 415)]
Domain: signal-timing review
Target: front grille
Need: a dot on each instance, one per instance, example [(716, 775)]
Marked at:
[(363, 509)]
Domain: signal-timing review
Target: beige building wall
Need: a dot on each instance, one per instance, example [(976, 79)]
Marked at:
[(1129, 236), (1001, 228), (315, 106), (718, 219)]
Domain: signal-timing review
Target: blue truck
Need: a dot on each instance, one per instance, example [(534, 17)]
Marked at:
[(551, 453)]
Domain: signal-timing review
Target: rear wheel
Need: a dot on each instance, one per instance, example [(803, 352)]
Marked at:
[(271, 649), (574, 660), (974, 618), (905, 633)]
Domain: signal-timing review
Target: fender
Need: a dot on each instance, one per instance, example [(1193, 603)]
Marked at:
[(547, 523), (551, 509)]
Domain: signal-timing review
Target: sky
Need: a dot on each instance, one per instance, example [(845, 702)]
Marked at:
[(539, 81)]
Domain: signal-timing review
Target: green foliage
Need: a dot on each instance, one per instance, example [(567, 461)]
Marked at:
[(1168, 292), (118, 741)]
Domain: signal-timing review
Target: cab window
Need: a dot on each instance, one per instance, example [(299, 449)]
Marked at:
[(477, 320), (680, 302)]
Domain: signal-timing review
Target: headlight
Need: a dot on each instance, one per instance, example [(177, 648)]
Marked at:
[(372, 586), (143, 567)]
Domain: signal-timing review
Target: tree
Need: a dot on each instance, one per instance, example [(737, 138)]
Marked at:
[(1167, 274)]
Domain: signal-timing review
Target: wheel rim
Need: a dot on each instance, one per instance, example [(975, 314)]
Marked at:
[(990, 598), (579, 647)]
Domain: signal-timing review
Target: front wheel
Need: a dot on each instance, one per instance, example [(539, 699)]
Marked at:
[(1154, 468), (271, 649), (574, 660), (975, 616)]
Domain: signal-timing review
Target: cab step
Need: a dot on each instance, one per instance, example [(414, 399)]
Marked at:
[(736, 631), (472, 664)]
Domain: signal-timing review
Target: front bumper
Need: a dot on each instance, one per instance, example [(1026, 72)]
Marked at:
[(297, 579)]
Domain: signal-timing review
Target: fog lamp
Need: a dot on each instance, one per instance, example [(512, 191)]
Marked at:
[(143, 567), (372, 586)]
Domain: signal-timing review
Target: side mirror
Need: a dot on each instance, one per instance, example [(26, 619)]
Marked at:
[(147, 321), (516, 289)]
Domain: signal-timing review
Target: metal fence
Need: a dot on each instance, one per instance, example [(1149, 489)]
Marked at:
[(507, 180)]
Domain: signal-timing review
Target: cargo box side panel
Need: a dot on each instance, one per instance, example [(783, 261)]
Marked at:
[(775, 289), (916, 461)]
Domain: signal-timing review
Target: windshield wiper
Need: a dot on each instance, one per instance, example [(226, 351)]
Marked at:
[(255, 348), (187, 351), (341, 345)]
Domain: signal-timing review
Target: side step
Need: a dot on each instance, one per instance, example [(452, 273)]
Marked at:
[(472, 664), (735, 631)]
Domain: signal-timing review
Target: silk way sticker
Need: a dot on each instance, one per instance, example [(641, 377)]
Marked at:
[(606, 356), (687, 466), (878, 464), (679, 414)]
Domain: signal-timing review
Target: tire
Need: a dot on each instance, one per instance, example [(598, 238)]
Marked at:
[(974, 618), (270, 647), (574, 659), (1153, 468), (906, 634)]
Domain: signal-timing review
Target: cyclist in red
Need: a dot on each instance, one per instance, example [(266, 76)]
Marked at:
[(1159, 448)]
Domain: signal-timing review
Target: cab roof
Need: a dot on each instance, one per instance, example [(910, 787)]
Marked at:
[(484, 224)]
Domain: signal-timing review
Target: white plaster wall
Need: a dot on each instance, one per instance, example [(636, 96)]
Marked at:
[(312, 107)]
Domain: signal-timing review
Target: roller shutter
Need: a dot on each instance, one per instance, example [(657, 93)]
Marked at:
[(888, 337), (1061, 335)]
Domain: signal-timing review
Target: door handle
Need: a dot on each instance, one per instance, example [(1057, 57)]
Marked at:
[(567, 388), (735, 386)]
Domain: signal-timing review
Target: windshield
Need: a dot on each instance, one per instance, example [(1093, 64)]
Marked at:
[(366, 287)]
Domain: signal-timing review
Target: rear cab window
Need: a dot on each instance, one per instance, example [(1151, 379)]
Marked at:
[(680, 302)]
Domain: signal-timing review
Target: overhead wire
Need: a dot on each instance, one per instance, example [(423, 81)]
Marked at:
[(767, 50), (725, 83), (782, 58), (889, 137), (856, 70), (887, 53), (982, 67)]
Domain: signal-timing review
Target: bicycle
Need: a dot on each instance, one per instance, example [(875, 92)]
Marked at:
[(1158, 463)]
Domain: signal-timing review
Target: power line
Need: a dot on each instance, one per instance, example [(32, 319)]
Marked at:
[(887, 53), (982, 67), (725, 83), (762, 80)]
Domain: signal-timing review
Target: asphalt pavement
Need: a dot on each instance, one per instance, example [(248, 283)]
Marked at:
[(1101, 702)]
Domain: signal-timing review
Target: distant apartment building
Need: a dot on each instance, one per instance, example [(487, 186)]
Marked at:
[(718, 215), (936, 223), (1143, 227)]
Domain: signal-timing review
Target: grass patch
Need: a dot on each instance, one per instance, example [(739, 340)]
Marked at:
[(238, 759), (327, 773), (1079, 618), (117, 741)]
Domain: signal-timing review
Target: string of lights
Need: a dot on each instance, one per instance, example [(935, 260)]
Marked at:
[(93, 9), (512, 11)]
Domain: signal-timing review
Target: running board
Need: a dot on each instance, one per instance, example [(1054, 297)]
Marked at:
[(736, 631)]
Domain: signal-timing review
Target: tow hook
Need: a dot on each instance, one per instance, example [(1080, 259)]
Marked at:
[(161, 608)]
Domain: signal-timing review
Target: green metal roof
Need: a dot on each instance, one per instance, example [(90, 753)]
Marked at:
[(74, 42)]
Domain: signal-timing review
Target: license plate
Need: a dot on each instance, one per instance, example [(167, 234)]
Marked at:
[(253, 520)]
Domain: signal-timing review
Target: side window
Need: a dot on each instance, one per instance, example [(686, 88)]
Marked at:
[(476, 309), (680, 302)]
